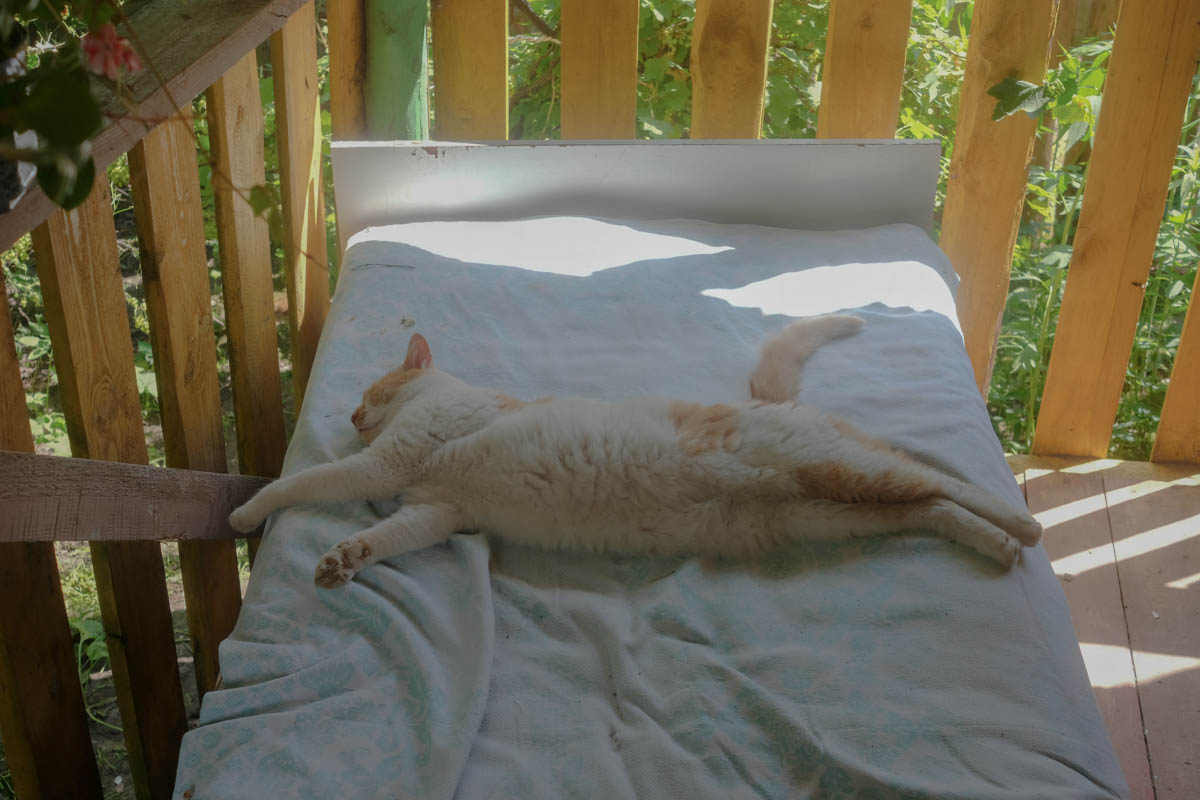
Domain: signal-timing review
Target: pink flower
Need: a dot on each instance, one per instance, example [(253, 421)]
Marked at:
[(107, 54)]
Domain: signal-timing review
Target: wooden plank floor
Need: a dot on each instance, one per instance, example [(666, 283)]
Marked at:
[(1124, 540)]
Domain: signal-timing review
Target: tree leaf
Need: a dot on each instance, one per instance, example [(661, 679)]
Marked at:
[(1013, 95), (260, 199), (67, 191), (60, 106)]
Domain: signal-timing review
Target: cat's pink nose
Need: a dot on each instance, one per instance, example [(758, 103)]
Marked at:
[(357, 416)]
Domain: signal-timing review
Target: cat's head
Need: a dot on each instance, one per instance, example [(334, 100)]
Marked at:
[(384, 398)]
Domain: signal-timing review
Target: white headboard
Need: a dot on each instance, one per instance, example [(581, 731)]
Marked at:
[(812, 184)]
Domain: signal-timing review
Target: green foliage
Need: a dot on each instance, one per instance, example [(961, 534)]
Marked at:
[(52, 95)]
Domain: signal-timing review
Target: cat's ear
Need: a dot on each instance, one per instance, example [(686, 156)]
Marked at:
[(418, 356)]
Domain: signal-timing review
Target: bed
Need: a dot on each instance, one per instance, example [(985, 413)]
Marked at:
[(895, 667)]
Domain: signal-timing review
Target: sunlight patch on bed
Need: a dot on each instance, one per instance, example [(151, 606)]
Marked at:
[(820, 290), (562, 245)]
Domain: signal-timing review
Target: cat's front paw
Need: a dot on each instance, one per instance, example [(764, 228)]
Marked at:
[(245, 519)]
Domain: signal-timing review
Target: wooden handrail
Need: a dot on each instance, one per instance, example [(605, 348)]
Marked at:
[(190, 45), (54, 499)]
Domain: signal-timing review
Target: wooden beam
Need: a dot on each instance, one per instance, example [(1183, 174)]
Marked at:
[(1178, 437), (470, 62), (1149, 80), (599, 69), (986, 186), (89, 331), (298, 126), (190, 45), (51, 499), (43, 723), (347, 41), (235, 125), (174, 263), (729, 68), (863, 70)]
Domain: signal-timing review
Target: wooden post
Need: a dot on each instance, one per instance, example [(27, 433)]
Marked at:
[(599, 69), (1095, 17), (89, 331), (1178, 437), (397, 78), (986, 186), (298, 124), (470, 56), (170, 220), (43, 723), (347, 43), (348, 68), (235, 127), (729, 68), (1149, 80), (863, 71)]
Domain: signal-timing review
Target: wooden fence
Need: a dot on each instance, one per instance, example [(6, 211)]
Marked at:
[(42, 718)]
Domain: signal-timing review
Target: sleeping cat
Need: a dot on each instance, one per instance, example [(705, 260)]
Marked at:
[(636, 476)]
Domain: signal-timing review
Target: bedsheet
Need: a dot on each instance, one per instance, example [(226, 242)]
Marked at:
[(893, 667)]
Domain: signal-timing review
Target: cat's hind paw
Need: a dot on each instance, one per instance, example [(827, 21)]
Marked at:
[(339, 566), (331, 574)]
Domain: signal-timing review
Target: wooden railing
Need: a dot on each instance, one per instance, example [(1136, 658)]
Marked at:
[(42, 718)]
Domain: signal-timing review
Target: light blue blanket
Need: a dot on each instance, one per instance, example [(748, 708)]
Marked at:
[(901, 667)]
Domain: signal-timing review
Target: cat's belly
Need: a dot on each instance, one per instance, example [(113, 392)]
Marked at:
[(657, 531), (642, 498)]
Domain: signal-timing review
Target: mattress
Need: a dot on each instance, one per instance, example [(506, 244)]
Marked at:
[(902, 666)]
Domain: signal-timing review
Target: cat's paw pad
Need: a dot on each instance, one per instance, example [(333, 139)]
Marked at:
[(331, 574), (244, 519), (339, 565)]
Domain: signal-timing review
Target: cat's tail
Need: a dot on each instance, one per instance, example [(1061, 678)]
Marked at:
[(776, 379)]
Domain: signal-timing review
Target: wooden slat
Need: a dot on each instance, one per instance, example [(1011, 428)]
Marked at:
[(729, 68), (190, 45), (1149, 79), (347, 43), (986, 185), (1072, 507), (470, 63), (47, 498), (863, 69), (298, 124), (235, 125), (89, 332), (1096, 16), (43, 723), (347, 40), (599, 69), (1178, 437), (174, 262), (1155, 533)]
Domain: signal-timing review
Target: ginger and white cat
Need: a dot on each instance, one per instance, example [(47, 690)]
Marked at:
[(636, 476)]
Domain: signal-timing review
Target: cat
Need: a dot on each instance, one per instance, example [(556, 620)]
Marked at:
[(649, 476)]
